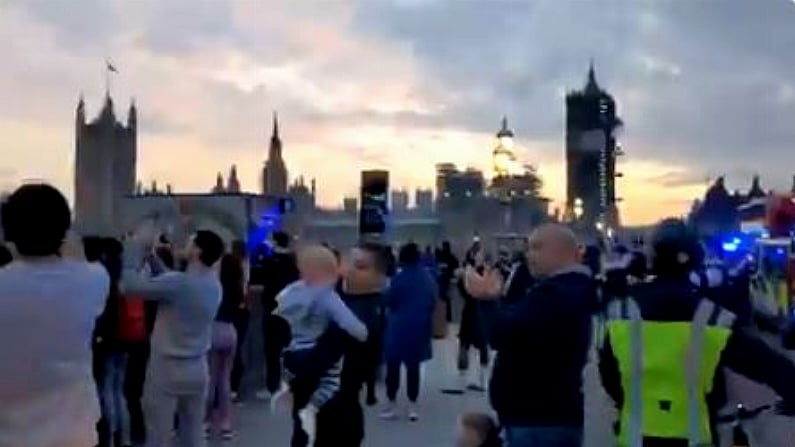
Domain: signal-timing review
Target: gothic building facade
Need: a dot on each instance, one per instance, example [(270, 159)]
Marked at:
[(721, 211), (105, 167), (591, 153)]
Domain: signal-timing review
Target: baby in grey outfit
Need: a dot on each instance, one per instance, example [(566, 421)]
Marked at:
[(309, 306)]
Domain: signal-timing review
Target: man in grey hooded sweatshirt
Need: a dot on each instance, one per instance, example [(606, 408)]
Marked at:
[(177, 375)]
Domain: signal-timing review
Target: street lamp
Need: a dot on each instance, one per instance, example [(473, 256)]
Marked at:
[(578, 209)]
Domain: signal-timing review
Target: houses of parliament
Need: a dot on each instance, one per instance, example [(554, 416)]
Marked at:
[(109, 199)]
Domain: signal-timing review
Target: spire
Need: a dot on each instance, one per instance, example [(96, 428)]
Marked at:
[(80, 113), (219, 184), (591, 86), (275, 149), (107, 109), (313, 187), (275, 132), (756, 190), (132, 115), (504, 130), (233, 184)]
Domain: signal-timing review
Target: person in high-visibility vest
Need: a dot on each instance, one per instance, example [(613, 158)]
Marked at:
[(664, 348)]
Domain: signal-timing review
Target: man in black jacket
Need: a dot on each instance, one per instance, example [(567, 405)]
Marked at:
[(542, 339)]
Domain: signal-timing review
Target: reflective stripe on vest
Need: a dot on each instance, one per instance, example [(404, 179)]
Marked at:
[(667, 369)]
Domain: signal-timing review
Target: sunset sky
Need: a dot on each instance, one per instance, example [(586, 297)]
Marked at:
[(705, 87)]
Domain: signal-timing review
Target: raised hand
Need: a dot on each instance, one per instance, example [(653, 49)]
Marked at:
[(483, 286)]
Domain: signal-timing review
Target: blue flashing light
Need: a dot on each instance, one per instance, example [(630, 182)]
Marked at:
[(259, 234), (739, 243), (730, 247)]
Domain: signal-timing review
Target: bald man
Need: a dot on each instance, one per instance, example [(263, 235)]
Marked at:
[(542, 339)]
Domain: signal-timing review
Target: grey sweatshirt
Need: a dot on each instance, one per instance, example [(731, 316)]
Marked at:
[(310, 309), (188, 302)]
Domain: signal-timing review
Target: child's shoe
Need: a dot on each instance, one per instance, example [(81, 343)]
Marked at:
[(308, 418)]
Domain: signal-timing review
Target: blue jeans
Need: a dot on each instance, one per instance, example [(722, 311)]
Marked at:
[(112, 399), (519, 436)]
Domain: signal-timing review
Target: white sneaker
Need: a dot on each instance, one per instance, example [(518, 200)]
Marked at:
[(263, 394), (308, 418), (389, 412), (413, 413)]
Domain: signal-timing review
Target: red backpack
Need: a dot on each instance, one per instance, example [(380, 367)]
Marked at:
[(132, 320)]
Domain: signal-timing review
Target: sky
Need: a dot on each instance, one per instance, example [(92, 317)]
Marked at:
[(705, 88)]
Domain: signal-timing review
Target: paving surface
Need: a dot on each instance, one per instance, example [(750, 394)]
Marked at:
[(256, 427), (436, 427)]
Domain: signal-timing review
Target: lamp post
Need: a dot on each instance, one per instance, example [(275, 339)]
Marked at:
[(578, 209)]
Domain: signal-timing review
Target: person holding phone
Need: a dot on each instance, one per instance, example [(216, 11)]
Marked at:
[(473, 332), (50, 298)]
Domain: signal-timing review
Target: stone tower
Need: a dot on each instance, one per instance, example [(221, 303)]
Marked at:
[(274, 174), (105, 168), (591, 152)]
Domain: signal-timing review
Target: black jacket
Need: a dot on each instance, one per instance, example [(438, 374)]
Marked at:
[(280, 270), (542, 341), (676, 299)]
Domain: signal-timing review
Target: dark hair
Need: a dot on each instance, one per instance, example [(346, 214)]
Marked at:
[(592, 258), (112, 250), (231, 278), (5, 255), (92, 248), (675, 248), (637, 267), (281, 239), (36, 218), (409, 254), (211, 246), (379, 254), (166, 257), (238, 249)]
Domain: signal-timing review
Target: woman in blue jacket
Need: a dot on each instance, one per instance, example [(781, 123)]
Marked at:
[(410, 302)]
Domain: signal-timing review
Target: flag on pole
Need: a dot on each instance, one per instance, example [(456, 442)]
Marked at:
[(110, 67)]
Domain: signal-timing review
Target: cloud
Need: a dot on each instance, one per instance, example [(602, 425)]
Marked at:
[(705, 87), (678, 178), (694, 80)]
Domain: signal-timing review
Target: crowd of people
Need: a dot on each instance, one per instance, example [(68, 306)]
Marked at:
[(141, 341)]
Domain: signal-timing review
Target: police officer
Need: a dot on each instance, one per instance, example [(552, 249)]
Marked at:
[(664, 349)]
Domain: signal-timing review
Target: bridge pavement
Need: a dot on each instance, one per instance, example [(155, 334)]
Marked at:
[(258, 428)]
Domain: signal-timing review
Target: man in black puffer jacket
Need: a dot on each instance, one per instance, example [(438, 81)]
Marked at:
[(542, 340)]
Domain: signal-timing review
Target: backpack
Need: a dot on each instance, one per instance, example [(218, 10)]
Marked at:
[(132, 320)]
